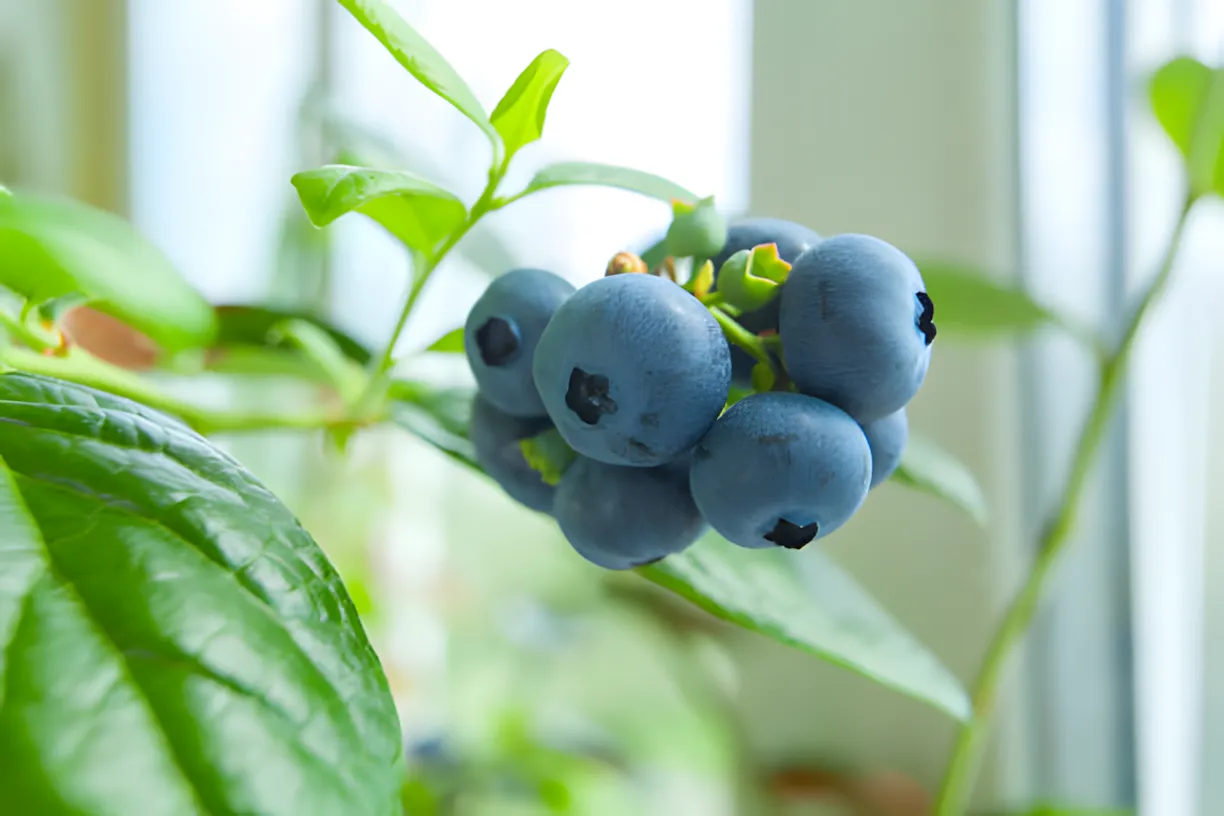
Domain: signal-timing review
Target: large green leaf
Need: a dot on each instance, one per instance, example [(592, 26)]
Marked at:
[(828, 615), (172, 642), (607, 175), (928, 468), (419, 58), (519, 116), (415, 211), (1188, 100), (969, 303), (52, 247)]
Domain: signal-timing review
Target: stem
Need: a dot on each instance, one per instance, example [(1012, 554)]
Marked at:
[(80, 367), (383, 362), (962, 766), (19, 330), (737, 334)]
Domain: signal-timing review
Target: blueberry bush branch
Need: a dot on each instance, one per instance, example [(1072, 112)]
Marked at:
[(1188, 100), (1058, 529)]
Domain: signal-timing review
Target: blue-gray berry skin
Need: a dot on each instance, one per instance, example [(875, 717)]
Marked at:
[(886, 437), (633, 370), (857, 325), (495, 436), (792, 240), (623, 517), (501, 334), (780, 470)]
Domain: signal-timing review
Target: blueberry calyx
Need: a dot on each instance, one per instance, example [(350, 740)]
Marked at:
[(792, 536), (498, 341), (925, 320), (587, 396)]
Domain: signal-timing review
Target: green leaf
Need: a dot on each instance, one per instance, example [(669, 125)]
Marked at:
[(971, 304), (654, 254), (607, 175), (52, 247), (242, 325), (419, 58), (548, 454), (519, 116), (1188, 100), (415, 211), (4, 191), (171, 640), (449, 343), (829, 615), (928, 468), (437, 416), (697, 230), (831, 618)]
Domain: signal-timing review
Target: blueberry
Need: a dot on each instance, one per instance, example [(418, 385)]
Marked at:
[(495, 436), (633, 370), (501, 333), (623, 517), (780, 469), (856, 325), (886, 437), (792, 240)]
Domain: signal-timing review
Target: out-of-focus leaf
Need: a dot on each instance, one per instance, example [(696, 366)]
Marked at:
[(1188, 100), (449, 343), (927, 467), (607, 175), (52, 247), (969, 303)]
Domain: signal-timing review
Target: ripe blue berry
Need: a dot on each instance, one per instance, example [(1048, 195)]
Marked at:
[(792, 240), (780, 469), (886, 437), (495, 435), (856, 325), (623, 517), (633, 370), (501, 334)]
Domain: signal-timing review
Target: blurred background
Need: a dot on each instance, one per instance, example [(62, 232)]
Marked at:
[(1008, 135)]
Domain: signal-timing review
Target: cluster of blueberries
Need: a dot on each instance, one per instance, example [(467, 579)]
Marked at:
[(634, 373)]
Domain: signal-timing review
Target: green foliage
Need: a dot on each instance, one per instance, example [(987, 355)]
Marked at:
[(697, 230), (325, 354), (51, 248), (173, 641), (1188, 100), (607, 175), (548, 454), (751, 277), (419, 58), (519, 116), (243, 325), (438, 416), (969, 303), (449, 343), (417, 212), (930, 469), (830, 617)]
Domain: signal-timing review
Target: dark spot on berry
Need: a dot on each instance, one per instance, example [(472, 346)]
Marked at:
[(700, 453), (779, 439), (498, 341), (792, 536), (587, 396), (640, 447), (650, 420), (925, 320)]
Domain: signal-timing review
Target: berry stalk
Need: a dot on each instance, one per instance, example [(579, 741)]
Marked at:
[(962, 767)]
